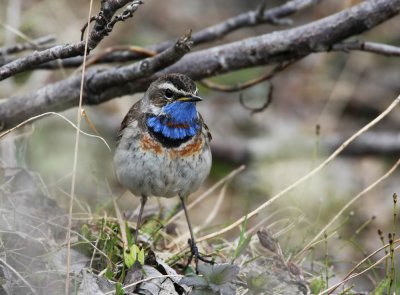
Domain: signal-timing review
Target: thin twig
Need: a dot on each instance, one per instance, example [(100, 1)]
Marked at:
[(142, 68), (36, 58), (305, 177), (366, 46), (266, 49), (130, 48), (105, 20), (262, 108), (36, 44), (234, 88), (99, 31), (250, 18)]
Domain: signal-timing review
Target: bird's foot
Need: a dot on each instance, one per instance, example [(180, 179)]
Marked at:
[(195, 253)]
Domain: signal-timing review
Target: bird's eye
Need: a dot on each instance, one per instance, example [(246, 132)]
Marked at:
[(168, 93)]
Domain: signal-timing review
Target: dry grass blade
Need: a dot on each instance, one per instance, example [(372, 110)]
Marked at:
[(366, 190), (58, 115), (257, 226), (97, 242), (52, 223), (210, 217), (121, 224), (349, 276), (19, 276), (207, 193), (80, 205), (144, 280), (75, 163), (89, 122), (289, 226), (323, 240), (305, 177), (217, 206), (17, 32)]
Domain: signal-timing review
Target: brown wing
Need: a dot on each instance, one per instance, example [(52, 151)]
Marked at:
[(205, 128), (132, 115)]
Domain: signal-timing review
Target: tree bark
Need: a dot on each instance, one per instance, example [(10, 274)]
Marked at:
[(275, 47)]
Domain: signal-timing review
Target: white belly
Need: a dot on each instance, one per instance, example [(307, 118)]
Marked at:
[(163, 174)]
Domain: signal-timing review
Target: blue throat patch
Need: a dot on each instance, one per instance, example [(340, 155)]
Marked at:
[(178, 120)]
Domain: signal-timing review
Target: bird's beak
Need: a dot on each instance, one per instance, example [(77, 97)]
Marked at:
[(190, 98)]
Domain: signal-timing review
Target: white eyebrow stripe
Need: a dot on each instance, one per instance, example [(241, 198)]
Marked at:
[(170, 86)]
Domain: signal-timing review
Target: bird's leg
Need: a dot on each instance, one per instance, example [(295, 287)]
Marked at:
[(192, 242), (143, 200)]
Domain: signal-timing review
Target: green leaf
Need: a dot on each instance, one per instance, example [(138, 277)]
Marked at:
[(256, 282), (317, 285), (194, 280), (241, 247), (216, 279), (202, 292), (382, 287), (135, 250), (243, 241), (134, 253), (119, 290), (86, 232), (141, 256), (130, 256), (129, 259), (219, 274), (128, 234), (109, 274)]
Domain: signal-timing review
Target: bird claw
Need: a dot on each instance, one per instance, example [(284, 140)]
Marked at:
[(195, 253)]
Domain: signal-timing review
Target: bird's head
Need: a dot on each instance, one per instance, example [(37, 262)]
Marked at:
[(170, 104)]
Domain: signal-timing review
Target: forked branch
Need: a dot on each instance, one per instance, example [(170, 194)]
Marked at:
[(266, 49), (103, 25)]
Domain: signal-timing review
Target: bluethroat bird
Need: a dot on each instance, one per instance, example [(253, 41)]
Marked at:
[(163, 146)]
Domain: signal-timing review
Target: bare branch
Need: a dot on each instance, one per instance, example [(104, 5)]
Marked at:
[(261, 50), (247, 19), (35, 44), (373, 47), (144, 68), (104, 21), (25, 63), (99, 31), (137, 49), (96, 81)]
